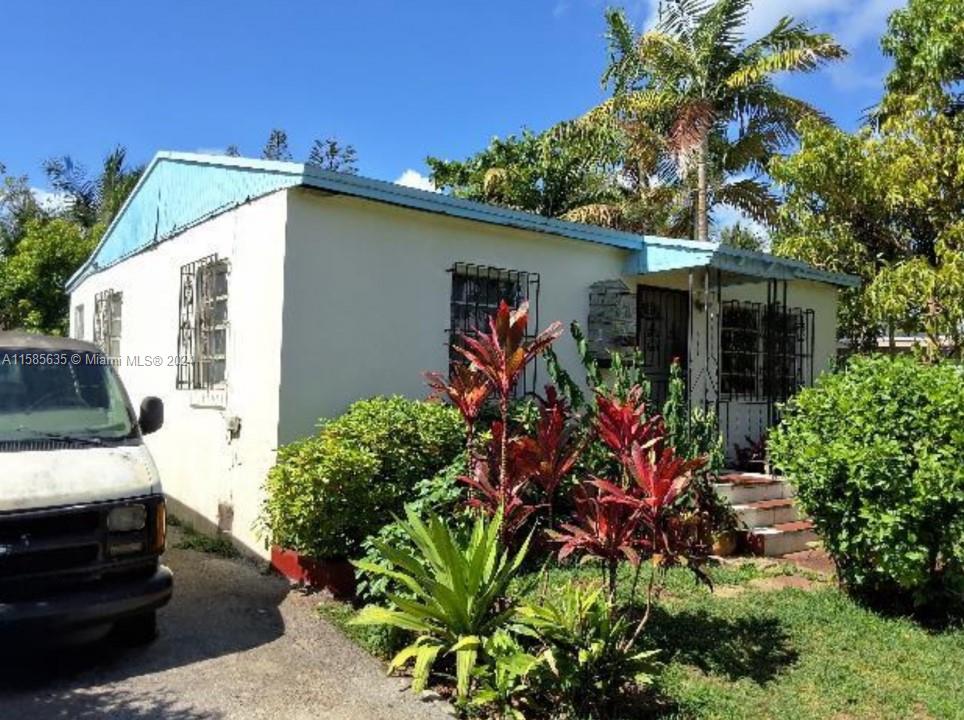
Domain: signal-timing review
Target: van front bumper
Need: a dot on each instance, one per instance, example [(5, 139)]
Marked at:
[(101, 603)]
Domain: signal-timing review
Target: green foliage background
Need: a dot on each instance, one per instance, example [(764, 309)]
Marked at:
[(328, 492), (876, 453)]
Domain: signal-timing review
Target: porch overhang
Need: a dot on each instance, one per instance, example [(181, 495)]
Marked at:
[(663, 255)]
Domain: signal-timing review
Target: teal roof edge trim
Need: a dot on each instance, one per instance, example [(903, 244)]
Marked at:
[(660, 254), (176, 191), (179, 190)]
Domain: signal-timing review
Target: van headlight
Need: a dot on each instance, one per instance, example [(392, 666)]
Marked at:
[(127, 518)]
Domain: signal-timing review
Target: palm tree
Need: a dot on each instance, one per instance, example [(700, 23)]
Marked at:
[(93, 201), (701, 104)]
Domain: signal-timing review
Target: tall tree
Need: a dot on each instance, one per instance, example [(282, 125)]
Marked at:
[(96, 200), (32, 278), (276, 148), (548, 173), (887, 202), (330, 154), (705, 99), (17, 205), (741, 237), (926, 41)]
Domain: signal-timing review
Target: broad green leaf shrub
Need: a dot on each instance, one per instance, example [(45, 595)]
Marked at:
[(588, 649), (441, 495), (455, 594), (876, 453), (328, 492)]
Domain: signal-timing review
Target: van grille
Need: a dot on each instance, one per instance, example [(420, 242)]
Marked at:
[(45, 549)]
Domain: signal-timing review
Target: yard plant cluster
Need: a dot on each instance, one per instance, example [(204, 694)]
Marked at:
[(611, 483), (514, 553)]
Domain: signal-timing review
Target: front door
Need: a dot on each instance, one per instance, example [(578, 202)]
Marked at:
[(662, 322)]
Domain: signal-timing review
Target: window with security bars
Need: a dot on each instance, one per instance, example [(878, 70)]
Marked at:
[(108, 306), (477, 291), (766, 351), (79, 322), (203, 324)]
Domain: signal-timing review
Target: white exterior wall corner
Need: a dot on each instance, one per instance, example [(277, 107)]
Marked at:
[(368, 289), (201, 467)]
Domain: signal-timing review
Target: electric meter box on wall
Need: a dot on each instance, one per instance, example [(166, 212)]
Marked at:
[(82, 514)]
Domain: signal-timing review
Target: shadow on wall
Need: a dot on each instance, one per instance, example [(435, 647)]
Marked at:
[(220, 607)]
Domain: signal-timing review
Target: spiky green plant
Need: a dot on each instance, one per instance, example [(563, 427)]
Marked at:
[(459, 586), (589, 648)]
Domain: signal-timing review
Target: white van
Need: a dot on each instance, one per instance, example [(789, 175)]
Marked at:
[(82, 515)]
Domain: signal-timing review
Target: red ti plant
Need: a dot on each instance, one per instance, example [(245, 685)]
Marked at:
[(509, 494), (556, 446), (623, 425), (500, 354), (647, 518), (467, 389), (607, 531)]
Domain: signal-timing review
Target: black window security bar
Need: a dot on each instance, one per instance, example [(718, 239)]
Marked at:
[(108, 307), (477, 291), (766, 350), (203, 324), (662, 322)]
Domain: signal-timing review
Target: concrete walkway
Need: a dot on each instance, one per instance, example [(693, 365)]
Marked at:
[(234, 643)]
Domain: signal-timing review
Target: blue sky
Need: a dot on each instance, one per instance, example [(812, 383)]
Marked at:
[(399, 80)]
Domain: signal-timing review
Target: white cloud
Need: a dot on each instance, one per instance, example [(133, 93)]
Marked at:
[(50, 200), (852, 22), (210, 151), (415, 179), (560, 8)]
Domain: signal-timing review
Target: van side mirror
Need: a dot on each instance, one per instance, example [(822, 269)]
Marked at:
[(152, 415)]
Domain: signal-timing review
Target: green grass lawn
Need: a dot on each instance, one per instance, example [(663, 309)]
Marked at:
[(748, 650)]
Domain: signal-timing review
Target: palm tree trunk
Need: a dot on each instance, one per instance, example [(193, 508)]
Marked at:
[(702, 211)]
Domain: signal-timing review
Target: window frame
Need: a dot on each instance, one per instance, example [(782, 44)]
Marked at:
[(467, 314), (202, 318), (79, 319), (108, 321), (762, 348)]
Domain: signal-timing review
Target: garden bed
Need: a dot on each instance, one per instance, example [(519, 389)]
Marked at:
[(749, 650)]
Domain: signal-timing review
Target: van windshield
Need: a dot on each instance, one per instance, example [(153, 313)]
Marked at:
[(46, 394)]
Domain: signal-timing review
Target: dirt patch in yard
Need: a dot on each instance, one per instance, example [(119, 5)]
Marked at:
[(782, 582)]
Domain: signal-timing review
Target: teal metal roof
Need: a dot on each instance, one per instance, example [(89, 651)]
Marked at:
[(178, 190), (660, 254)]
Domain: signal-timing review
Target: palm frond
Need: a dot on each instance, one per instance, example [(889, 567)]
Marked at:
[(692, 124), (621, 37), (721, 26), (789, 48), (680, 17), (603, 214), (750, 196), (664, 57)]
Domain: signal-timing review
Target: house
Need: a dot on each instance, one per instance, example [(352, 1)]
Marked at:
[(255, 297)]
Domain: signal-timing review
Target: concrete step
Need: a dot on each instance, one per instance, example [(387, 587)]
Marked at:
[(747, 488), (766, 512), (780, 539)]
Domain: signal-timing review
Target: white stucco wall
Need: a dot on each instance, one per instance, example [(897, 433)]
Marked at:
[(201, 467), (332, 299), (368, 289)]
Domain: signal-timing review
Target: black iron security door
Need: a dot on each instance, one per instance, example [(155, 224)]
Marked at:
[(662, 318)]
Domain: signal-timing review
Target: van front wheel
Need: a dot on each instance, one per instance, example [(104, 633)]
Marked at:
[(137, 630)]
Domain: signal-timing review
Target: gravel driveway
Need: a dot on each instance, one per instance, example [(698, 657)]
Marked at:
[(234, 643)]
